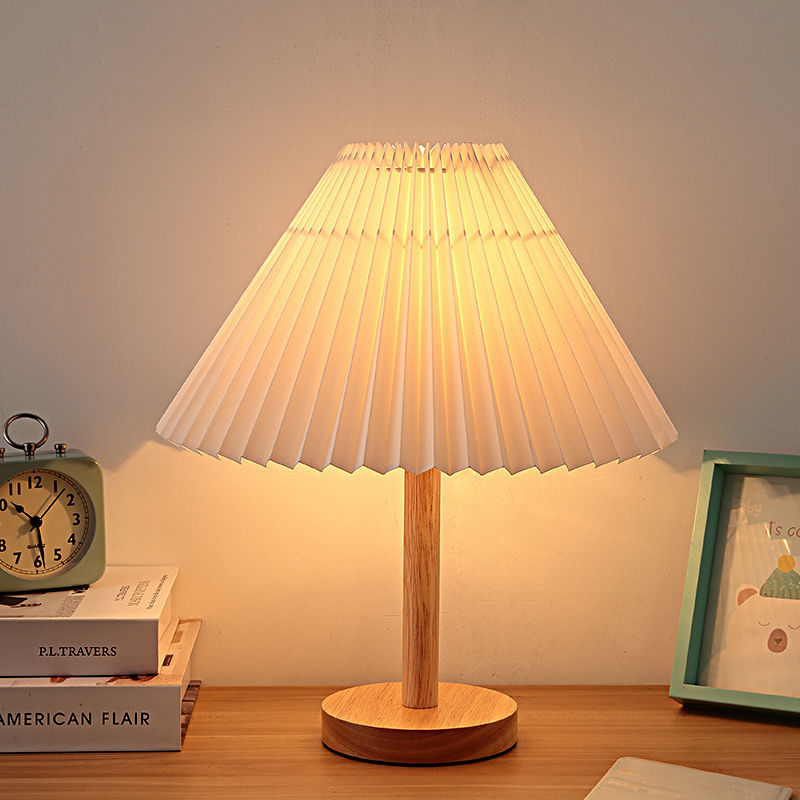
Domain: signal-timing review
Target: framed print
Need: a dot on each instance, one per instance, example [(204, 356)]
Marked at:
[(739, 631)]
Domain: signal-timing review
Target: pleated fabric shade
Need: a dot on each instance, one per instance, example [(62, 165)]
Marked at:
[(420, 311)]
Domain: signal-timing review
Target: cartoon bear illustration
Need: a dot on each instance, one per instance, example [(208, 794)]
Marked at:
[(762, 644)]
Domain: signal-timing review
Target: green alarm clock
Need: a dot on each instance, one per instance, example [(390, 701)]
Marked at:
[(52, 530)]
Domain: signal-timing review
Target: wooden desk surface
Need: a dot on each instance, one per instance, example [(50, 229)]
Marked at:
[(246, 742)]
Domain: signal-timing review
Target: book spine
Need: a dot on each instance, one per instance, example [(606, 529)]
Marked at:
[(90, 718), (45, 647)]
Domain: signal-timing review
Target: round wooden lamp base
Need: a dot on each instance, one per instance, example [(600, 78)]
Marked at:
[(371, 723)]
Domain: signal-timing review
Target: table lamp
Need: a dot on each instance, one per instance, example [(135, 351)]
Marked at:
[(421, 311)]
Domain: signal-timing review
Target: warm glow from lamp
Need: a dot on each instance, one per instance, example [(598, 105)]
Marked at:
[(421, 311)]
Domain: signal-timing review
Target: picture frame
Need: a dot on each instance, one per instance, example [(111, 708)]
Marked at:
[(738, 643)]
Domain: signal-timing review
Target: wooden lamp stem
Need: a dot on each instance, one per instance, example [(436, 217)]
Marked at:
[(420, 678), (419, 720)]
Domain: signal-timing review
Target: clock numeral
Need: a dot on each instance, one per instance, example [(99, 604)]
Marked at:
[(37, 562), (17, 557), (57, 554), (11, 488), (76, 519), (70, 499), (34, 481), (3, 504), (55, 485), (2, 545), (71, 538)]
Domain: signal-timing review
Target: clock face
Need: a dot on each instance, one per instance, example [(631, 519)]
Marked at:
[(47, 521)]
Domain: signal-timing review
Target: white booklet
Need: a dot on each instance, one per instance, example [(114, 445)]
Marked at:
[(640, 779), (113, 627)]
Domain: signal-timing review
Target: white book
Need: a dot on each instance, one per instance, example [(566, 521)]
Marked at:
[(100, 714), (639, 778), (112, 627)]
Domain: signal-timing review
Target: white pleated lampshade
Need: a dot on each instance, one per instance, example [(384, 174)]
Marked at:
[(420, 311)]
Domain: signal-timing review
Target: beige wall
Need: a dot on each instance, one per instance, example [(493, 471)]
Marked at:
[(152, 153)]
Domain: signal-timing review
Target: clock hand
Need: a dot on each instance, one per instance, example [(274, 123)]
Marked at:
[(41, 516), (39, 539), (35, 523), (19, 509)]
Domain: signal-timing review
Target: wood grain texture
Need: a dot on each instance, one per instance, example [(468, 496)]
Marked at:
[(371, 722), (245, 743), (420, 673)]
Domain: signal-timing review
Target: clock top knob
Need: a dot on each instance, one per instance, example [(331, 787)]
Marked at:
[(29, 448)]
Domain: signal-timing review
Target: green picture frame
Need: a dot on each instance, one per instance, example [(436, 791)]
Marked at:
[(698, 598)]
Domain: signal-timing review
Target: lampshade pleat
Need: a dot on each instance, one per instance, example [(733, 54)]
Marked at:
[(324, 419), (636, 385), (239, 337), (350, 434), (626, 384), (481, 421), (288, 331), (564, 385), (542, 444), (611, 438), (420, 311), (324, 365)]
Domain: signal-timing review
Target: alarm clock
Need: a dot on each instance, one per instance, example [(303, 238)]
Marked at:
[(52, 530)]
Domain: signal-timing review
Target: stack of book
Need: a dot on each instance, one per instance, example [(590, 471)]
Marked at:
[(53, 645)]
